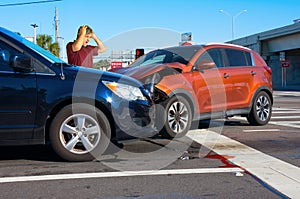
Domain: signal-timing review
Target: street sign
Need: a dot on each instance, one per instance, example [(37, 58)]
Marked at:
[(281, 56), (285, 63), (116, 64), (186, 36)]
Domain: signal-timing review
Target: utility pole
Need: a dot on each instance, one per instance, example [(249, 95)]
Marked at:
[(34, 32), (62, 50), (57, 37), (56, 26)]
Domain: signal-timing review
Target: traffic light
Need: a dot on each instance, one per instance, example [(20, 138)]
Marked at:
[(139, 52)]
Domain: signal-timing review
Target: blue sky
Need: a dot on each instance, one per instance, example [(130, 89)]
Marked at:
[(112, 18)]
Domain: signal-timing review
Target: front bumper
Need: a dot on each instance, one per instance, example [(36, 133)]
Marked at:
[(134, 119)]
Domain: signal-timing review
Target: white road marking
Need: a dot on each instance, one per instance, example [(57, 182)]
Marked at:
[(280, 175), (288, 115), (285, 117), (293, 124), (284, 109), (261, 130), (285, 112), (119, 174)]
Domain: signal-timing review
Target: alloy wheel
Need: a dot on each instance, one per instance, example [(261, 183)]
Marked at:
[(178, 117), (263, 108), (80, 133)]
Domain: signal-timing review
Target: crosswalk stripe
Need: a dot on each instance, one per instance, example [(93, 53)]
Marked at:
[(261, 130), (119, 174), (293, 124), (285, 117), (280, 175)]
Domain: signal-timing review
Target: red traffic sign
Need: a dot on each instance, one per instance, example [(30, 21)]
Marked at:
[(116, 64), (285, 63)]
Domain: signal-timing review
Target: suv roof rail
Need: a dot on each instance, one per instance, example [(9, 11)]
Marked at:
[(226, 44)]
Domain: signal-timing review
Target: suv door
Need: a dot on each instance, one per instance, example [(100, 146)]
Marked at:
[(18, 97), (240, 71), (209, 85)]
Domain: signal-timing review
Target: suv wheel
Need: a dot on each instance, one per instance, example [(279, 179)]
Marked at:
[(177, 117), (80, 132), (261, 109)]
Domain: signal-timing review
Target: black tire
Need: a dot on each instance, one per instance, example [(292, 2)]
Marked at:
[(177, 117), (261, 111), (80, 132)]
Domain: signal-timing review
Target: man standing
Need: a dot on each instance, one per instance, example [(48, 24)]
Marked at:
[(79, 52)]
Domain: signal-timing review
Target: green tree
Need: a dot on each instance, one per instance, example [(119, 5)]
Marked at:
[(54, 48), (102, 64), (45, 41)]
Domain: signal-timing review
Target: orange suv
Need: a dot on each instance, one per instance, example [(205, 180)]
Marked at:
[(201, 82)]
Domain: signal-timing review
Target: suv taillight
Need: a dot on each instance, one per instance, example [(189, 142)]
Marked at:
[(268, 69)]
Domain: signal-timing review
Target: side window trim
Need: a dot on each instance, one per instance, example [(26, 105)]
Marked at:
[(252, 59)]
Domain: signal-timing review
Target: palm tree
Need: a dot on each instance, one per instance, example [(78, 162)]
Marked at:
[(45, 41), (54, 49)]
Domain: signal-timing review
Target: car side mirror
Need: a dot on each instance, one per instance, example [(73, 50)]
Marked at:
[(21, 62), (206, 64)]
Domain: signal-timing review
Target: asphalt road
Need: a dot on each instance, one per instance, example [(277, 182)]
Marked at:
[(243, 161)]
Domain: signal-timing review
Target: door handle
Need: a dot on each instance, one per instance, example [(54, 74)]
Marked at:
[(226, 75), (253, 73)]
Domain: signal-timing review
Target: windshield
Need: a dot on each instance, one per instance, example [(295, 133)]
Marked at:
[(45, 53), (169, 55)]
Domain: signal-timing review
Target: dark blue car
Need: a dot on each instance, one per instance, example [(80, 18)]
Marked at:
[(79, 110)]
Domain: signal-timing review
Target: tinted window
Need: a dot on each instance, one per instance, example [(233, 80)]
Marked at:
[(158, 59), (214, 55), (238, 57), (5, 52), (248, 58), (45, 53)]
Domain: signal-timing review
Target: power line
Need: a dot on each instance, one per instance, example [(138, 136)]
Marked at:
[(27, 3)]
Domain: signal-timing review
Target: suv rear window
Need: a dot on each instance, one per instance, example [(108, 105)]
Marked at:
[(238, 58)]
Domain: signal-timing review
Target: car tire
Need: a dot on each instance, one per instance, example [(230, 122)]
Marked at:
[(80, 132), (177, 117), (261, 110)]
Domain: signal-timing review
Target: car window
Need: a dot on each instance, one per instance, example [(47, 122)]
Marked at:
[(41, 68), (155, 60), (169, 55), (248, 59), (214, 55), (238, 57), (5, 52), (44, 53)]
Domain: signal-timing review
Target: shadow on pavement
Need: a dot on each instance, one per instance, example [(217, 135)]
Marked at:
[(34, 152)]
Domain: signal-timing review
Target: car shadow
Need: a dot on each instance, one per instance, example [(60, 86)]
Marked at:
[(33, 152), (43, 153), (205, 124)]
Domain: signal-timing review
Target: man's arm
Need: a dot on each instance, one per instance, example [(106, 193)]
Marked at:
[(101, 46), (76, 46)]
